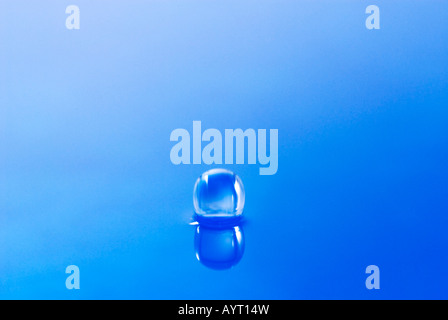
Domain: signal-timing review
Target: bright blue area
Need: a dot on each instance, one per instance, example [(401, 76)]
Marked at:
[(85, 172)]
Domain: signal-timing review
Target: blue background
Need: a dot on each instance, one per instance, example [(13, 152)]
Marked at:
[(85, 172)]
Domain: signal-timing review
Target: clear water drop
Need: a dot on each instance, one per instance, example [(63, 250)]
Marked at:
[(218, 196), (219, 249)]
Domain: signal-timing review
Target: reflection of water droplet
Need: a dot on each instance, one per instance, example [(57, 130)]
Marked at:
[(218, 195), (219, 248)]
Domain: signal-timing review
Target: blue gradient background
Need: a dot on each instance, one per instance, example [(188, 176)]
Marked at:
[(85, 173)]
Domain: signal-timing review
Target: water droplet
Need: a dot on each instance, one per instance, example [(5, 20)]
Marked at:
[(218, 196), (219, 248)]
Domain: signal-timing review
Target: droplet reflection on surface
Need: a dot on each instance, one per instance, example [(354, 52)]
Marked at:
[(219, 249), (218, 195)]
